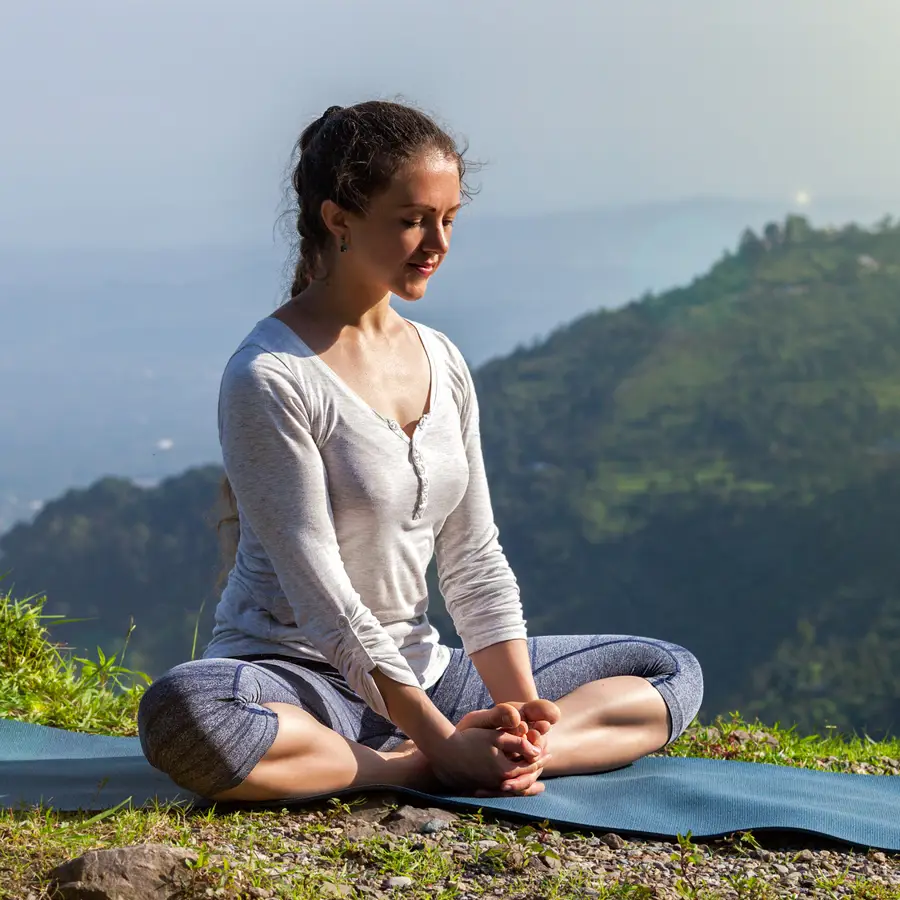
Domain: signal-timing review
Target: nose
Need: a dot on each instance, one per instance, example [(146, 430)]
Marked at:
[(437, 239)]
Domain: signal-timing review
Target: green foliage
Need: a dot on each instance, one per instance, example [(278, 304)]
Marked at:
[(117, 555), (40, 682), (717, 463)]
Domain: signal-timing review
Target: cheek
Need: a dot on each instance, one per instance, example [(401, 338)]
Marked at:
[(389, 249)]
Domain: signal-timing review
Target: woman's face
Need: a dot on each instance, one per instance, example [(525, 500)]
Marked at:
[(404, 236)]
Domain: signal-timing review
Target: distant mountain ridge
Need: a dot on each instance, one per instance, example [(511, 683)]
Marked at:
[(118, 352), (714, 465)]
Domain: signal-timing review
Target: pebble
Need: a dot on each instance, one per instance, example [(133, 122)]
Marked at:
[(612, 840), (399, 881)]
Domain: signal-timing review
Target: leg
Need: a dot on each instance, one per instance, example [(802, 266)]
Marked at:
[(231, 730), (607, 724), (308, 758), (621, 697)]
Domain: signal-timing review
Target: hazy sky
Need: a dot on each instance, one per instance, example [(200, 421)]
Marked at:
[(163, 122)]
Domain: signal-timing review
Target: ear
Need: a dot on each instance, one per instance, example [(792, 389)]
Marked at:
[(335, 219)]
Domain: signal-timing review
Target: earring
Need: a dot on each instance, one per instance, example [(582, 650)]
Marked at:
[(344, 247)]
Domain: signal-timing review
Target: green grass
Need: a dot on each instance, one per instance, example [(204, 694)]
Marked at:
[(314, 852), (42, 682)]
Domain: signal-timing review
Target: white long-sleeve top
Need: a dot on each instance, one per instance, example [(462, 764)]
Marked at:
[(341, 512)]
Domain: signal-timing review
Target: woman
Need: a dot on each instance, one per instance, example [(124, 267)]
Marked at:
[(350, 439)]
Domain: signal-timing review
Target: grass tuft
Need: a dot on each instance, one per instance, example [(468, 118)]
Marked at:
[(42, 682)]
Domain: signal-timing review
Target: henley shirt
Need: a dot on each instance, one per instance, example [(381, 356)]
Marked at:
[(341, 512)]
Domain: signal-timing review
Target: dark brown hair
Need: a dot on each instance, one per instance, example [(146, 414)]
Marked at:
[(348, 155)]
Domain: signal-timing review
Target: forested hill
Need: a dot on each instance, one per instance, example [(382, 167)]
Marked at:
[(716, 465)]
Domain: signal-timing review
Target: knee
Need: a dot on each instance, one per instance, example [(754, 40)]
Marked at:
[(193, 727), (686, 683), (692, 673)]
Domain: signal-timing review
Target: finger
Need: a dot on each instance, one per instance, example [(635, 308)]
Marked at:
[(520, 782), (532, 742), (530, 751), (537, 788), (536, 739), (510, 744), (530, 769), (503, 715), (513, 749), (533, 738), (531, 790)]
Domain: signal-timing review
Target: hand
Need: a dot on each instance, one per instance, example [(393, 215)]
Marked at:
[(479, 756), (511, 718)]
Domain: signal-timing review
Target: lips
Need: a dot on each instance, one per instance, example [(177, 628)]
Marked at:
[(423, 268)]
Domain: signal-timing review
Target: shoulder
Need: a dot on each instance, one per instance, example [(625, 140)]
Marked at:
[(254, 368), (263, 365)]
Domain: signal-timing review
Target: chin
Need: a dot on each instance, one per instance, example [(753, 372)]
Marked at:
[(409, 292)]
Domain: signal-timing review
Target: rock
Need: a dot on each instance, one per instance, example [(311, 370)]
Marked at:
[(399, 881), (515, 859), (410, 819), (612, 840), (487, 845), (877, 856), (740, 735), (330, 889), (551, 862), (806, 856), (360, 832), (144, 872)]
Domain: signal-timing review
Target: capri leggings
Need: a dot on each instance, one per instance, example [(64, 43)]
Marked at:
[(204, 725)]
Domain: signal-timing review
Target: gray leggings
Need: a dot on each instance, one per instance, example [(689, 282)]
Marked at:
[(204, 725)]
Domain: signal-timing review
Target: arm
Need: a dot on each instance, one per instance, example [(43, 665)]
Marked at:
[(506, 671), (478, 586), (279, 479)]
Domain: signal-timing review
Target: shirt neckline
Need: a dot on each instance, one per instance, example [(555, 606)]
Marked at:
[(393, 424)]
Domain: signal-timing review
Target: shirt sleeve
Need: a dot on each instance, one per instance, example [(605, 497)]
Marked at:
[(479, 588), (279, 479)]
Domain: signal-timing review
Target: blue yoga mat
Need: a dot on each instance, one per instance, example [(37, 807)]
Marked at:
[(657, 797)]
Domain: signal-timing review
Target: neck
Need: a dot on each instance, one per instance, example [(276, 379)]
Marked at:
[(340, 302)]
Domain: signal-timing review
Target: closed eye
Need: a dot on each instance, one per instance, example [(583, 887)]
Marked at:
[(409, 223)]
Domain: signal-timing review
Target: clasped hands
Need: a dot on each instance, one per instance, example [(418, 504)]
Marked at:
[(500, 751)]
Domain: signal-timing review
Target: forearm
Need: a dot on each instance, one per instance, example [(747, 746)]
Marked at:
[(505, 668), (411, 710)]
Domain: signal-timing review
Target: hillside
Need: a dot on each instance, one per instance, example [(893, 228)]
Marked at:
[(116, 552), (716, 465)]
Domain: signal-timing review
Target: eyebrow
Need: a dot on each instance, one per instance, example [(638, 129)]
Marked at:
[(429, 208)]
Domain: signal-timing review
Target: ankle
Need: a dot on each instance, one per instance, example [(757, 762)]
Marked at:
[(408, 768)]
